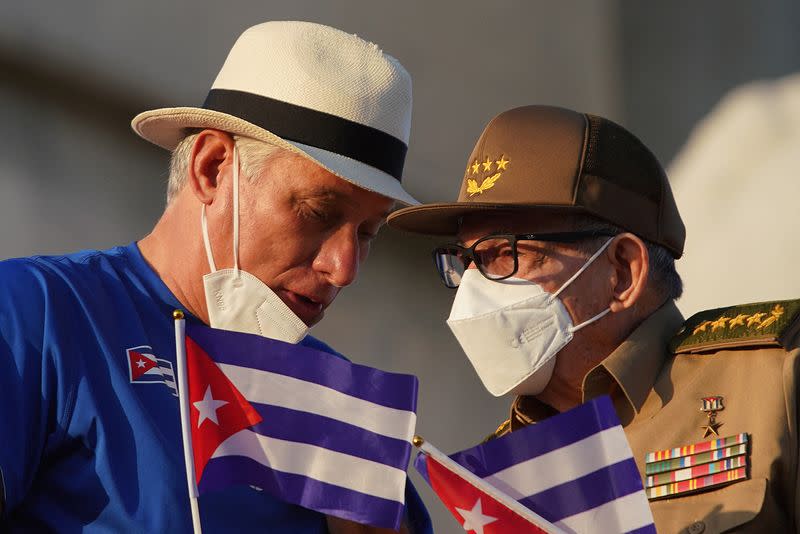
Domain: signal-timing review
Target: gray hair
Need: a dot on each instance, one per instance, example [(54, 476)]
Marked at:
[(664, 278), (253, 155)]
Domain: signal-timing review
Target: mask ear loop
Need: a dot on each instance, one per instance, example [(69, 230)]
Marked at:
[(586, 265), (587, 322), (204, 221), (204, 226), (580, 271), (235, 210)]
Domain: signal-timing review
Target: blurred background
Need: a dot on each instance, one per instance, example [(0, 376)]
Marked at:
[(74, 176)]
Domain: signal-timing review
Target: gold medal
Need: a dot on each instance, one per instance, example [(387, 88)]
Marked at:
[(711, 405)]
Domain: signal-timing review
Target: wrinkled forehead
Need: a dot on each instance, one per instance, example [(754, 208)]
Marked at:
[(304, 179), (476, 225)]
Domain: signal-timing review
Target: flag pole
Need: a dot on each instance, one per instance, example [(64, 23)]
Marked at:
[(482, 485), (186, 431)]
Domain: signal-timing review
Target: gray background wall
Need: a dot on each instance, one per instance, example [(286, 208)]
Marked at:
[(73, 176)]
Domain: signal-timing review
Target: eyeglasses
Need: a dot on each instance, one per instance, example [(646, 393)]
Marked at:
[(495, 255)]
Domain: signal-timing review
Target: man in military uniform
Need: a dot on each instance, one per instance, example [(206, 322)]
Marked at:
[(567, 232)]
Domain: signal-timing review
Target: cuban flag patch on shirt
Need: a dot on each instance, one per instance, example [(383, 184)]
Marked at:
[(145, 368)]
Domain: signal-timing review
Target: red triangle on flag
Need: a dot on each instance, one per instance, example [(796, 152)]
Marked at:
[(139, 363), (475, 510), (217, 409)]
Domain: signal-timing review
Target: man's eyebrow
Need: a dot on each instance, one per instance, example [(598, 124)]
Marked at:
[(331, 196), (320, 191), (322, 194)]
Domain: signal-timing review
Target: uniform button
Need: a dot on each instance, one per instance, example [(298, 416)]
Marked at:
[(697, 527)]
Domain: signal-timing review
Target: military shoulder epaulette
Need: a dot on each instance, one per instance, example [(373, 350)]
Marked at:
[(761, 323), (502, 430)]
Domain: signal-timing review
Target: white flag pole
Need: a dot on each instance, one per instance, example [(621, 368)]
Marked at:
[(485, 487), (186, 430)]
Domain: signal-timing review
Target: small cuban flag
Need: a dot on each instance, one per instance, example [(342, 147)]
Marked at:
[(145, 368), (478, 506), (304, 425), (575, 471)]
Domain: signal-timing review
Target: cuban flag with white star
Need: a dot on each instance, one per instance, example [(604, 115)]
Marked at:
[(145, 368), (304, 425), (575, 470)]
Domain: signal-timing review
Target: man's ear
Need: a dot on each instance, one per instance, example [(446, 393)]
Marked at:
[(211, 151), (630, 264)]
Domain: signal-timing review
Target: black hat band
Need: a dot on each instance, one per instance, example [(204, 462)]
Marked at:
[(368, 145)]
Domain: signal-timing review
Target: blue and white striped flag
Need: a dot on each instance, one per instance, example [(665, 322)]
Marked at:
[(575, 470), (304, 425)]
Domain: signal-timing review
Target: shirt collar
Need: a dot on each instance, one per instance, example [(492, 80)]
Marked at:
[(634, 366)]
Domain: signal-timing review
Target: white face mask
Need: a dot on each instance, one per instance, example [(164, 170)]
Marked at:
[(239, 301), (511, 330)]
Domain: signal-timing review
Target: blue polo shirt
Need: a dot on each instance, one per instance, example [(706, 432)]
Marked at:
[(87, 441)]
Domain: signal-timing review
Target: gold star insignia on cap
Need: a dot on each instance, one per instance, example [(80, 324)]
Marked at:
[(480, 184)]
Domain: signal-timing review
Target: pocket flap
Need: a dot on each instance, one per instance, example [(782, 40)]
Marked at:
[(715, 510)]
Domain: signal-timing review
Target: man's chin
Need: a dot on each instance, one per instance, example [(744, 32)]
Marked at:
[(316, 319), (304, 309)]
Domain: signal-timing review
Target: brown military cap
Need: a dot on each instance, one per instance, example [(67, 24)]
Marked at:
[(547, 158)]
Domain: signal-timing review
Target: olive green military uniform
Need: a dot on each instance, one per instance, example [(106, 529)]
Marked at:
[(730, 371), (657, 381)]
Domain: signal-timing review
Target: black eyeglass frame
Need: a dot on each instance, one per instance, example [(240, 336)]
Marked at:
[(469, 252)]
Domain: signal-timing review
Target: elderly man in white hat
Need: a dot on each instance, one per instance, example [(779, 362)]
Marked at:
[(277, 186)]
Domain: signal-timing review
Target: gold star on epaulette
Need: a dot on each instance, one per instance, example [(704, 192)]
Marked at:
[(476, 167), (755, 319), (774, 315), (701, 327), (719, 323), (738, 320), (487, 165), (759, 323), (502, 163)]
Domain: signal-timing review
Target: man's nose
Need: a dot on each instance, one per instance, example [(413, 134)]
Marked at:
[(339, 257)]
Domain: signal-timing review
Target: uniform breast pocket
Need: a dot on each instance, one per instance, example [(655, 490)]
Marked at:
[(727, 509)]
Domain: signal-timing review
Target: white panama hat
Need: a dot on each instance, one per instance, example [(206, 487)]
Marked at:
[(327, 95)]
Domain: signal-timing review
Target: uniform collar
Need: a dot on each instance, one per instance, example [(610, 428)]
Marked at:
[(631, 369), (634, 366)]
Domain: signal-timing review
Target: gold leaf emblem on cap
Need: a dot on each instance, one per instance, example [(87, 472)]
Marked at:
[(474, 189), (488, 182)]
